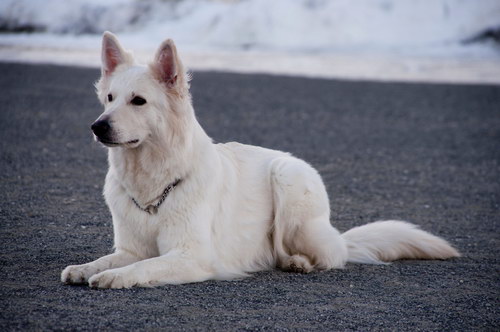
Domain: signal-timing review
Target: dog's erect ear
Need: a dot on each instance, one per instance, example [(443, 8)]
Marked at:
[(167, 65), (112, 54)]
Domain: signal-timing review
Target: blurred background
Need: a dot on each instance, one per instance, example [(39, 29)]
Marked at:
[(403, 40)]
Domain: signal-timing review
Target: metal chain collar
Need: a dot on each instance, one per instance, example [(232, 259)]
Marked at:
[(153, 208)]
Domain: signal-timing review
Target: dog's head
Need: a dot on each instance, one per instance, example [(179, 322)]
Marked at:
[(140, 103)]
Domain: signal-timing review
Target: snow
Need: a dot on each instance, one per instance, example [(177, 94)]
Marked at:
[(369, 39)]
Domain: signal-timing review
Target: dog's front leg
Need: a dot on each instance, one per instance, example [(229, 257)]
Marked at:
[(174, 267), (80, 274)]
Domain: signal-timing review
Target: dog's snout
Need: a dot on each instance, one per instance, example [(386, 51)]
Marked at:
[(101, 128)]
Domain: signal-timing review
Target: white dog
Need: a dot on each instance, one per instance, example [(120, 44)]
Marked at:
[(187, 210)]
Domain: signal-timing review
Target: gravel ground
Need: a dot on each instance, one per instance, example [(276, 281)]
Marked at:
[(418, 152)]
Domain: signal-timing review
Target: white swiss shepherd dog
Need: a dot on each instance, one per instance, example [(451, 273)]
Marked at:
[(187, 210)]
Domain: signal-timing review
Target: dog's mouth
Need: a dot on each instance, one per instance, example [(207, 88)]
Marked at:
[(114, 144)]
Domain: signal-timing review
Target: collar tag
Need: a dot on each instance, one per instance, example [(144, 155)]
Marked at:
[(153, 208)]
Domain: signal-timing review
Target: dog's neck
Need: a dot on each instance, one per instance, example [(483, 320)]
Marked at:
[(145, 171)]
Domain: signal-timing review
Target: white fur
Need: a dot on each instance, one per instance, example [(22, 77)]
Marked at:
[(239, 208)]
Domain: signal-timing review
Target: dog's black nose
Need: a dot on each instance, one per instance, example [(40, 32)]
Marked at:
[(101, 128)]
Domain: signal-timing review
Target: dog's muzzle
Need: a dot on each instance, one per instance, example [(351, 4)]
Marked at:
[(102, 129)]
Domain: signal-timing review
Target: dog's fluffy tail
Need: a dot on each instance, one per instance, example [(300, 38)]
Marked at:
[(386, 241)]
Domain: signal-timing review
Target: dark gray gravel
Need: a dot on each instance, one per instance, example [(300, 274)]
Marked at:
[(419, 152)]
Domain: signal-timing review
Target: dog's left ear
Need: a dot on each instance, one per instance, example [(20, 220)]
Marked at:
[(112, 54), (167, 65)]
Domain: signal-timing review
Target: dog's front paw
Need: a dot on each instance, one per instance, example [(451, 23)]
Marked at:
[(112, 279), (78, 274)]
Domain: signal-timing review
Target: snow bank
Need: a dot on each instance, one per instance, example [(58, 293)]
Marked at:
[(299, 25), (365, 29)]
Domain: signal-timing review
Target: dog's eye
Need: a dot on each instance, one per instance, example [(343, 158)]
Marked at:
[(110, 97), (138, 101)]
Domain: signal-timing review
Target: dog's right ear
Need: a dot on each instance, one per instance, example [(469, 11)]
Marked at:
[(112, 54)]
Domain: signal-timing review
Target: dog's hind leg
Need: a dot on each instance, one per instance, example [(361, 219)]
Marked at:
[(303, 238)]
